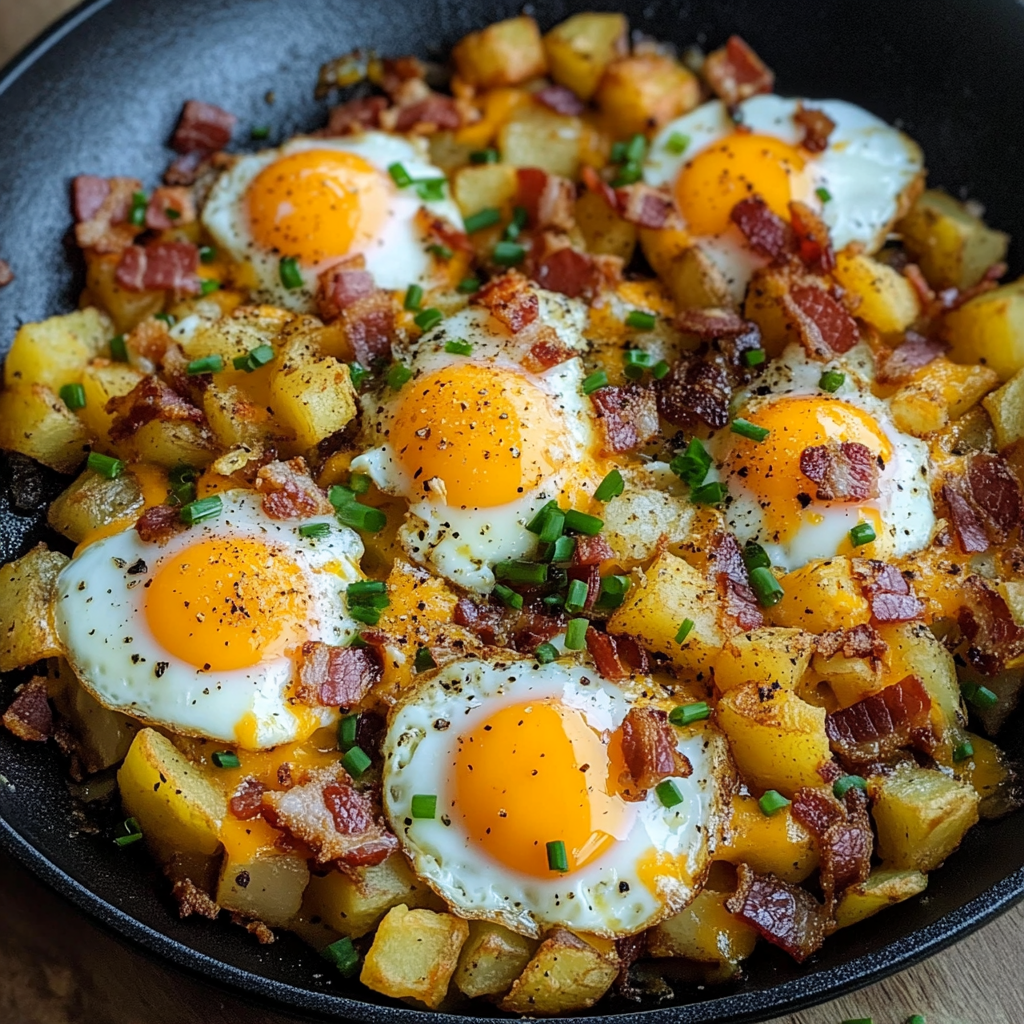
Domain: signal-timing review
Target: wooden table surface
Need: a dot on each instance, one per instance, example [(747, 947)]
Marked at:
[(56, 967)]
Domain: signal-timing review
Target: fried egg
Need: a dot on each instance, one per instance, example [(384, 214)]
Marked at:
[(322, 201), (520, 755), (200, 634), (856, 184), (477, 444), (774, 504)]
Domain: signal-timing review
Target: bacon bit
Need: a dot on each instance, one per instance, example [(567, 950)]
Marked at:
[(846, 471), (150, 399), (89, 192), (176, 199), (825, 325), (709, 324), (187, 168), (433, 113), (817, 810), (783, 914), (895, 366), (289, 492), (511, 300), (994, 638), (595, 183), (548, 352), (730, 575), (369, 324), (644, 205), (548, 199), (340, 286), (694, 390), (247, 799), (628, 417), (649, 750), (159, 266), (159, 524), (888, 593), (765, 231), (817, 126), (843, 832), (862, 641), (6, 274), (967, 524), (591, 551), (29, 716), (203, 128), (570, 272), (618, 656), (813, 244), (735, 72), (561, 100), (264, 936), (485, 620), (192, 900), (336, 676), (443, 231), (878, 725), (355, 116), (101, 210), (996, 492), (532, 629)]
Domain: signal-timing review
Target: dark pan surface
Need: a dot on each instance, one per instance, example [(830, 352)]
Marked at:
[(100, 94)]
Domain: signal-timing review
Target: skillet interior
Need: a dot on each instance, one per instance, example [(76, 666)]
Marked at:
[(101, 93)]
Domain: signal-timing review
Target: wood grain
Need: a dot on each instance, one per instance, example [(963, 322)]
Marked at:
[(59, 968)]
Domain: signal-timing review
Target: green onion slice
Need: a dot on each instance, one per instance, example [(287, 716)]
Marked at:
[(767, 588), (668, 793), (687, 714), (225, 759), (356, 761), (557, 859), (576, 634), (423, 805), (288, 269), (200, 510), (485, 218), (105, 465), (73, 396), (772, 802), (641, 321)]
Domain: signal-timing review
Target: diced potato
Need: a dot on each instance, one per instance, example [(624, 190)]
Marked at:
[(821, 596), (989, 329), (581, 47), (938, 393), (692, 279), (492, 959), (660, 600), (476, 188), (877, 293), (103, 380), (414, 955), (705, 931), (882, 889), (778, 742), (353, 904), (127, 309), (604, 231), (642, 92), (767, 655), (266, 886), (777, 844), (504, 53), (952, 246), (1005, 406), (236, 421), (54, 352), (35, 422), (312, 399), (849, 679), (534, 136), (566, 974), (921, 815), (235, 335), (27, 592), (169, 443)]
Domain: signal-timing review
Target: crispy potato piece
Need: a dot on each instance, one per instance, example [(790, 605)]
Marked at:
[(778, 845), (236, 421), (877, 293), (534, 136), (767, 655), (581, 47), (693, 281), (267, 885), (27, 594), (414, 954), (168, 444), (54, 352), (882, 889), (128, 309), (989, 329), (492, 959), (35, 422), (938, 393), (477, 187), (566, 974), (953, 247), (604, 231), (505, 53), (642, 92), (103, 380), (778, 741), (921, 815), (705, 931), (92, 502), (821, 596), (312, 399), (660, 600), (235, 335), (1005, 406)]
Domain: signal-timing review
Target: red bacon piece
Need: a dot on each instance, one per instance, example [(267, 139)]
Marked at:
[(340, 286), (843, 832), (186, 168), (994, 638), (826, 326), (369, 324), (694, 390), (709, 324), (170, 206), (888, 593), (443, 231), (432, 113), (6, 274), (817, 126), (336, 677), (766, 232), (899, 364), (730, 575), (966, 521), (511, 300), (845, 471), (649, 750), (485, 620), (159, 266), (547, 198), (878, 725), (568, 271), (591, 551), (618, 656), (560, 99), (202, 127), (101, 210), (549, 351), (159, 524), (150, 399), (644, 205), (29, 715), (628, 417), (996, 492), (735, 72), (247, 800), (289, 492), (813, 244), (355, 116), (532, 629)]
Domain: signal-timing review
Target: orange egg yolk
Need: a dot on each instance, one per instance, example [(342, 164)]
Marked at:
[(227, 603), (484, 432), (536, 773), (736, 168), (770, 469), (317, 204)]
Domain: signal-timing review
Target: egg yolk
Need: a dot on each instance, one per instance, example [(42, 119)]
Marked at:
[(536, 773), (770, 469), (737, 168), (485, 433), (227, 603), (317, 204)]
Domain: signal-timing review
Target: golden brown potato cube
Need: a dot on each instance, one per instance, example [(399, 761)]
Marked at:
[(414, 955), (877, 293), (689, 275), (778, 743), (101, 381), (821, 596), (705, 931), (27, 592), (476, 188), (774, 844), (1005, 407), (127, 309), (921, 815), (235, 420), (54, 351), (938, 393), (230, 336), (168, 444), (566, 974), (312, 400), (989, 329), (953, 247), (504, 53), (534, 136), (266, 885), (35, 422), (604, 231), (849, 679), (882, 889), (92, 502), (581, 47), (658, 603), (491, 960), (767, 655), (642, 92)]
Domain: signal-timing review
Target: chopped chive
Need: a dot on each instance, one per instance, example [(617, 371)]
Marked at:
[(979, 696), (484, 156), (684, 630), (636, 148), (442, 252), (709, 494), (132, 832), (343, 955), (105, 465), (338, 495), (257, 357), (362, 517), (860, 1020), (594, 381), (633, 371), (576, 634), (772, 802), (755, 557), (963, 751), (831, 381), (209, 286), (636, 357), (862, 533), (660, 370), (843, 786), (413, 297), (200, 510), (692, 465), (749, 430), (629, 174), (182, 483), (468, 285), (557, 859), (677, 142), (641, 321), (165, 318), (399, 175), (423, 805), (668, 793), (365, 614), (516, 224), (823, 194), (754, 357), (118, 349), (73, 396), (398, 376), (687, 714), (357, 374), (430, 190), (458, 347), (610, 487), (554, 525), (225, 759), (205, 364), (562, 549), (356, 761), (423, 661), (259, 131), (519, 571), (348, 730), (612, 592), (767, 588), (507, 596), (362, 589), (618, 152), (508, 254), (137, 213), (917, 1018), (576, 598), (485, 218), (315, 530), (580, 522), (207, 254), (288, 270), (536, 524), (546, 653), (428, 318)]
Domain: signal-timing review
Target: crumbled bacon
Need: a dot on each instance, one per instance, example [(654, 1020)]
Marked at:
[(996, 492), (159, 266), (547, 198), (591, 575), (369, 324), (765, 231), (158, 524), (735, 72), (532, 629), (889, 595), (432, 113), (511, 300), (247, 800), (192, 900), (616, 656), (824, 324), (6, 274), (843, 471), (627, 416), (694, 390), (355, 116), (336, 676), (560, 99), (258, 929), (644, 205), (170, 206), (895, 366), (730, 575), (485, 620), (591, 550), (187, 168), (203, 128), (548, 351), (340, 286), (443, 232), (965, 519), (101, 211), (570, 272), (150, 399), (709, 324), (289, 492), (29, 715), (813, 244), (878, 725), (649, 750), (844, 837), (861, 641), (994, 638), (817, 126)]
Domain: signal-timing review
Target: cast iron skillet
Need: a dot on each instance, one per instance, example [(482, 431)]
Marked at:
[(100, 93)]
